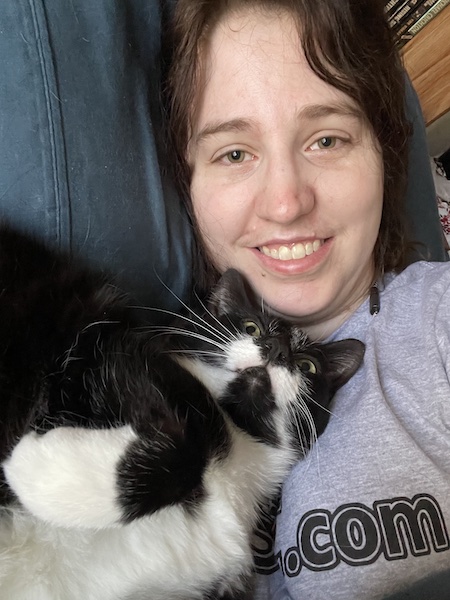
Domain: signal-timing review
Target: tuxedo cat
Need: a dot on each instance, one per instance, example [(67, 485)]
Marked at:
[(134, 460)]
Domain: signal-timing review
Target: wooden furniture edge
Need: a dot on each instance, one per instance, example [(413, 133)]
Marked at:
[(427, 59)]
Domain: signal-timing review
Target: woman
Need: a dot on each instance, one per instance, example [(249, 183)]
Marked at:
[(289, 121)]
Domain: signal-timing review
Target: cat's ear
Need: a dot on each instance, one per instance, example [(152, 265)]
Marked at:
[(344, 359), (231, 294)]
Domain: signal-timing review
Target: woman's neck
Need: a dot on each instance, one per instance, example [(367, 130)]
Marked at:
[(322, 329)]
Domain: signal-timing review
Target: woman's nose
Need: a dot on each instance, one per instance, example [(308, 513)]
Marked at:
[(284, 193)]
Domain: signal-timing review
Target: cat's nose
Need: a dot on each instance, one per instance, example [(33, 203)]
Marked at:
[(278, 350)]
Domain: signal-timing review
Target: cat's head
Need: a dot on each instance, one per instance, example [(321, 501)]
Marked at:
[(263, 370)]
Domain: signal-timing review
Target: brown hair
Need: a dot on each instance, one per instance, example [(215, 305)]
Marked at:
[(348, 44)]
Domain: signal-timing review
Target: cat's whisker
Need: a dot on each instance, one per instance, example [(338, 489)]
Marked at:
[(215, 319), (183, 304), (324, 408), (196, 336), (302, 417), (189, 309), (236, 334), (225, 334), (197, 353), (304, 436), (198, 322), (228, 334), (263, 306), (95, 323)]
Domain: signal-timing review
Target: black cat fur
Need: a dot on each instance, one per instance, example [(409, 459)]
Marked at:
[(134, 460)]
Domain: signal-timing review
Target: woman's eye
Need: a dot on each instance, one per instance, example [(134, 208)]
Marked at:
[(307, 366), (235, 156), (325, 143), (251, 328)]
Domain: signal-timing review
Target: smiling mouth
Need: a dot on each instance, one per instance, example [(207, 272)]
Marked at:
[(293, 252)]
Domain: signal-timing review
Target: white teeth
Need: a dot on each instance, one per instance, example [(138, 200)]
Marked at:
[(284, 253), (294, 252), (298, 251)]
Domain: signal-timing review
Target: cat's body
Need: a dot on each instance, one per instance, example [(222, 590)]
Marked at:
[(133, 462)]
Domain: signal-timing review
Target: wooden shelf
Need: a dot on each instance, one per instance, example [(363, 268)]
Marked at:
[(427, 60)]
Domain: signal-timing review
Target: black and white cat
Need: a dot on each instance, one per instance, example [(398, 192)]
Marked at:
[(134, 461)]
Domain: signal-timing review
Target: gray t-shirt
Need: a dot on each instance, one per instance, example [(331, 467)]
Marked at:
[(366, 515)]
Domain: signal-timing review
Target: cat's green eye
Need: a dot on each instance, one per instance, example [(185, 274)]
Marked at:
[(251, 328), (306, 365)]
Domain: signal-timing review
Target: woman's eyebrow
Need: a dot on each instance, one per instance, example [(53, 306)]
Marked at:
[(311, 112), (215, 127)]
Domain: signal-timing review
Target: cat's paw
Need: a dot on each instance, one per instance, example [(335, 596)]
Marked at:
[(68, 476)]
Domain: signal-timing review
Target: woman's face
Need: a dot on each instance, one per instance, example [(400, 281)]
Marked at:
[(287, 182)]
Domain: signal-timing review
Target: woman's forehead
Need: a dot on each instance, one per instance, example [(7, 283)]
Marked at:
[(255, 63), (252, 33)]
